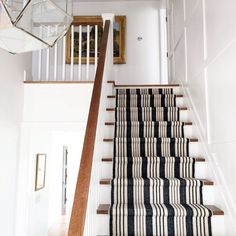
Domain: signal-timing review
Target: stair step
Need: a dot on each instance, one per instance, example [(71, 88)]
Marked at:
[(184, 114), (201, 167), (114, 96), (113, 123), (141, 85), (205, 182), (180, 101), (194, 147), (110, 159), (110, 140), (188, 129), (180, 108), (103, 209)]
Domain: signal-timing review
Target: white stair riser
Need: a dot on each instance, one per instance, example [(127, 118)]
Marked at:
[(105, 194), (194, 149), (188, 131), (217, 225), (184, 116), (200, 170)]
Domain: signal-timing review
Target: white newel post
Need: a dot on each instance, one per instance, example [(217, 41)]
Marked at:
[(109, 56)]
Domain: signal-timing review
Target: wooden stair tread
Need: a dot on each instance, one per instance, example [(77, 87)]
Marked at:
[(110, 123), (177, 95), (103, 209), (110, 159), (205, 182), (141, 85), (180, 108), (113, 123), (216, 211), (109, 140)]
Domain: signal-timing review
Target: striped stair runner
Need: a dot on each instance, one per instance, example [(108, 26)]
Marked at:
[(154, 191)]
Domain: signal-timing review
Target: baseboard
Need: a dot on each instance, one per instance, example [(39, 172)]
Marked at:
[(227, 200)]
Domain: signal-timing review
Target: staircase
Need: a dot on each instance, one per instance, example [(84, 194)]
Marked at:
[(153, 175)]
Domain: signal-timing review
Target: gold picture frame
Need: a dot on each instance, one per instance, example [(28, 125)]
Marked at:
[(40, 173), (119, 39)]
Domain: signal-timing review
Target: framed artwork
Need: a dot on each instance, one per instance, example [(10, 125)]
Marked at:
[(40, 171), (119, 29)]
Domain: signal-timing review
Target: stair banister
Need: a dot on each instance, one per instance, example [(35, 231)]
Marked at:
[(81, 208)]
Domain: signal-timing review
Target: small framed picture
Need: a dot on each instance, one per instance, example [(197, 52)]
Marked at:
[(40, 171)]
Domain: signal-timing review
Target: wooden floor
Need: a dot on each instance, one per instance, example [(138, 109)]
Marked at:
[(61, 227)]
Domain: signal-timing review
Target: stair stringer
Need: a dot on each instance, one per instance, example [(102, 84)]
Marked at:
[(93, 221)]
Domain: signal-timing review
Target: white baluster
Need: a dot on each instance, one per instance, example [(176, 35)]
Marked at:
[(55, 58), (39, 64), (96, 50), (64, 58), (88, 52), (40, 58), (72, 53), (47, 56), (25, 76), (80, 52)]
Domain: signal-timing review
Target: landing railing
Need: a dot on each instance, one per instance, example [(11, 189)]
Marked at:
[(70, 58), (82, 220)]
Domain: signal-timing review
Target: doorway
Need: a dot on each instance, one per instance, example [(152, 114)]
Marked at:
[(64, 166)]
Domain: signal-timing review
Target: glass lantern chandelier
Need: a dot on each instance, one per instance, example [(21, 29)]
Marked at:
[(28, 25)]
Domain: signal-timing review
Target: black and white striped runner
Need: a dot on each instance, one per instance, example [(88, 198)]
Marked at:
[(157, 190), (157, 100), (160, 219), (147, 114), (149, 91), (154, 191), (151, 147), (153, 167), (149, 129)]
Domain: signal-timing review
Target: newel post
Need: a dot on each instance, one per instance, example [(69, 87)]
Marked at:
[(109, 56)]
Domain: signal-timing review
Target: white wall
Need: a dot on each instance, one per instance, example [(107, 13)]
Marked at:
[(33, 205), (143, 64), (143, 57), (48, 110), (202, 48), (56, 102), (38, 211), (11, 102)]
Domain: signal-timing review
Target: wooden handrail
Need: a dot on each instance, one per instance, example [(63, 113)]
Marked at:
[(78, 215)]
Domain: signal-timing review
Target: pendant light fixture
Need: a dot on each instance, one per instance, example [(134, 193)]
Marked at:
[(34, 24)]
